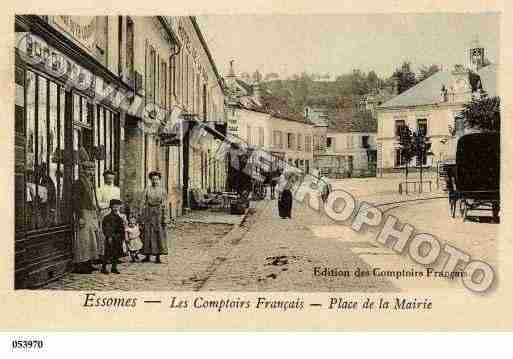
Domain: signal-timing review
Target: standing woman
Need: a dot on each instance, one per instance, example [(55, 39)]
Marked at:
[(155, 217), (285, 195), (88, 242)]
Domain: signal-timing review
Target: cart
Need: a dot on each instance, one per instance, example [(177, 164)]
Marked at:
[(474, 182)]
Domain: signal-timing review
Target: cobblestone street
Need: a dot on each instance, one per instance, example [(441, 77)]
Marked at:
[(189, 245), (267, 253)]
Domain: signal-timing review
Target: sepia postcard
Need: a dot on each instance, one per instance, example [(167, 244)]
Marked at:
[(309, 166)]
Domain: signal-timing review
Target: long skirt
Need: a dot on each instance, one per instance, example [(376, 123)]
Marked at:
[(285, 204), (88, 242), (155, 235)]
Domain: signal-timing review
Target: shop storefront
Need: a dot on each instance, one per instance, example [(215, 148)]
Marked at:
[(53, 120)]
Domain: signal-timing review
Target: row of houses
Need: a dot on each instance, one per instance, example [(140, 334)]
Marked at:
[(287, 138), (113, 85)]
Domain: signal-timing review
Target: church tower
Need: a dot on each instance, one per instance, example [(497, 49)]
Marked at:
[(476, 55)]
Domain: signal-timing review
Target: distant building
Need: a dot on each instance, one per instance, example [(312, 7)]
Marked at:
[(265, 126), (433, 107)]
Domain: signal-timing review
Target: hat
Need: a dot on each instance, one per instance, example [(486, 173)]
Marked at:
[(109, 172), (115, 202), (155, 173)]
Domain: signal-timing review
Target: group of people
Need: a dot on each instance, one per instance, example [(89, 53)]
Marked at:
[(104, 234)]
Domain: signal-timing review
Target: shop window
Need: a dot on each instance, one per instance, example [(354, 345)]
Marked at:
[(106, 143), (45, 147)]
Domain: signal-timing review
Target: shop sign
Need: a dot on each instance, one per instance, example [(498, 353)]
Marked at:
[(35, 51), (81, 28)]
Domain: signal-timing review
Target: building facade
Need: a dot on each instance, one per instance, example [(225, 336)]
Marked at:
[(432, 108), (262, 127), (114, 85)]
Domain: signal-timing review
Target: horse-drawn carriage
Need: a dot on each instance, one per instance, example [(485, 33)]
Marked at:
[(473, 182)]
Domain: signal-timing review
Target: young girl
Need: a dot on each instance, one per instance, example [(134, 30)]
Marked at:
[(134, 243)]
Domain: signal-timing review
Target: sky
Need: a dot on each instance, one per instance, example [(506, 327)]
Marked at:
[(337, 44)]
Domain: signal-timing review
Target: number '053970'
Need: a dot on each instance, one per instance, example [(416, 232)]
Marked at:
[(27, 344)]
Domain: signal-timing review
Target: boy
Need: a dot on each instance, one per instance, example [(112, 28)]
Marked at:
[(113, 227)]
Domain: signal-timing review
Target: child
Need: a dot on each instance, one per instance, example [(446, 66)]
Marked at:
[(133, 235), (114, 231)]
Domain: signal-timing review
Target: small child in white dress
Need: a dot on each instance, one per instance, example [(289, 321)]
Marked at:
[(133, 235)]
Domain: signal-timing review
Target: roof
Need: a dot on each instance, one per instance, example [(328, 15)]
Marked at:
[(427, 92), (350, 121)]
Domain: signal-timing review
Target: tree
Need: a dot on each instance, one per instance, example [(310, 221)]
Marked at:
[(482, 113), (372, 80), (405, 77), (427, 71), (406, 148)]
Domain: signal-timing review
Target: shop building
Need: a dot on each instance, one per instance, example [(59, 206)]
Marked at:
[(64, 68), (114, 85)]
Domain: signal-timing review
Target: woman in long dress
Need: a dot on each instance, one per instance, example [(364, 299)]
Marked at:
[(88, 242), (285, 195), (155, 218)]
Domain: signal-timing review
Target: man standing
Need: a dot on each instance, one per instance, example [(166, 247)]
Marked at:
[(107, 192)]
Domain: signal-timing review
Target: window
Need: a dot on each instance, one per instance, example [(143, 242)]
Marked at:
[(163, 84), (277, 139), (45, 188), (198, 96), (365, 141), (248, 134), (101, 39), (308, 143), (399, 124), (106, 141), (261, 136), (299, 142), (150, 75), (329, 142), (399, 160), (422, 126), (130, 47), (290, 141), (204, 97)]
